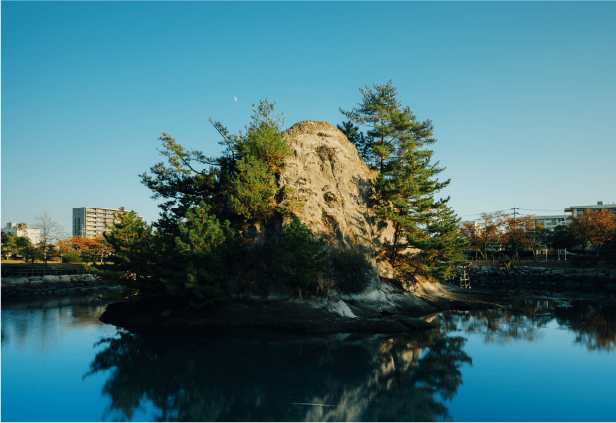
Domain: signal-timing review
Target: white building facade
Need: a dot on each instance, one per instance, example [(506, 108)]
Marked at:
[(93, 222), (33, 234), (579, 210), (551, 222)]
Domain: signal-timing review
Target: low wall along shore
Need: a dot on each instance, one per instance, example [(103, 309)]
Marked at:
[(49, 285), (539, 278)]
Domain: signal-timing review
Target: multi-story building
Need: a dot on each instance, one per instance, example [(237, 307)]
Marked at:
[(92, 222), (579, 210), (33, 234), (550, 222)]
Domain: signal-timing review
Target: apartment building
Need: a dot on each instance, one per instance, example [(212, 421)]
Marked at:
[(33, 234), (92, 222), (579, 210), (550, 222)]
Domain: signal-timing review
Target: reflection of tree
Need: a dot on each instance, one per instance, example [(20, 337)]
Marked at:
[(39, 319), (594, 325), (501, 326), (238, 379)]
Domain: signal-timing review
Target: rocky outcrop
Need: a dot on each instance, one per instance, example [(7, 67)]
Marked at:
[(334, 184)]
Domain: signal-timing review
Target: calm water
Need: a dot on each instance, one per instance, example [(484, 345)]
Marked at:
[(546, 360)]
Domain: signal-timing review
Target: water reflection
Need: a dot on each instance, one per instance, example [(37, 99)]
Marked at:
[(238, 379), (593, 323), (265, 377), (38, 318)]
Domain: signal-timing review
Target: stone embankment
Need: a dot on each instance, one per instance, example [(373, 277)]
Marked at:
[(542, 279), (48, 285)]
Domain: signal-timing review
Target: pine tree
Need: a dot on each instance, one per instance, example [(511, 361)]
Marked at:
[(299, 258), (205, 245), (134, 258), (357, 138), (390, 125), (426, 237)]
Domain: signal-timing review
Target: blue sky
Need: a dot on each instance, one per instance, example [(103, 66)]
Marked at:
[(522, 95)]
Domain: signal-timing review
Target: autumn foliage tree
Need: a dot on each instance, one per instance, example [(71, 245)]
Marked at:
[(519, 233), (486, 235), (90, 249), (595, 228)]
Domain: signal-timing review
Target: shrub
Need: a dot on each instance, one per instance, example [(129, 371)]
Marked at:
[(505, 262), (351, 268), (71, 257), (299, 258)]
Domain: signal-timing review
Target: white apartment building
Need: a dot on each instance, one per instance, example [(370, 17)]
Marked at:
[(579, 210), (92, 222), (550, 222), (33, 234)]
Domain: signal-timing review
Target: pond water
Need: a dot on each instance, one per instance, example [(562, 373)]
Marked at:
[(543, 360)]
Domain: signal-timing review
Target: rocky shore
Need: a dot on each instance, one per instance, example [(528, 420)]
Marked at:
[(388, 309), (18, 288), (541, 280)]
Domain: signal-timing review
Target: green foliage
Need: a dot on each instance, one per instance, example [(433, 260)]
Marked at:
[(426, 236), (263, 139), (562, 238), (357, 138), (252, 189), (299, 258), (240, 183), (9, 244), (27, 249), (505, 261), (390, 126), (205, 245), (132, 242), (352, 269), (71, 257)]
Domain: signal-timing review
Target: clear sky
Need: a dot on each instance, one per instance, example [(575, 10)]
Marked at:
[(522, 95)]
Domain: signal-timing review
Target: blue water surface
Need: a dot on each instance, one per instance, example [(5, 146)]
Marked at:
[(543, 360)]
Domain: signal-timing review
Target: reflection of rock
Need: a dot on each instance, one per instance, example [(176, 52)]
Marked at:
[(282, 379)]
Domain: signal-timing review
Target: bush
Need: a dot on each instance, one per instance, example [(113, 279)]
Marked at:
[(71, 257), (351, 268), (299, 258), (505, 262)]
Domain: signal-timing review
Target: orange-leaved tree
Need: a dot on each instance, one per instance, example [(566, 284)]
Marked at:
[(91, 248), (486, 234), (64, 246), (594, 227), (519, 234)]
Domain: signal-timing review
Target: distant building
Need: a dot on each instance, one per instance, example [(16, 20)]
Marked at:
[(92, 222), (33, 234), (550, 222), (477, 227), (579, 210)]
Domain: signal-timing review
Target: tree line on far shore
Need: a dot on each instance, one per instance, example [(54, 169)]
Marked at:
[(68, 249), (593, 232)]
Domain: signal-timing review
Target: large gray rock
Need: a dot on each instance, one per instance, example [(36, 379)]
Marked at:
[(64, 278), (334, 183), (7, 282), (51, 279)]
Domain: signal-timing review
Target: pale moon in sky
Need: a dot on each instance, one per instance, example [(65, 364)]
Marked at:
[(235, 98)]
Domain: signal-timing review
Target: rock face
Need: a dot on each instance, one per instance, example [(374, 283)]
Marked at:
[(327, 173)]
